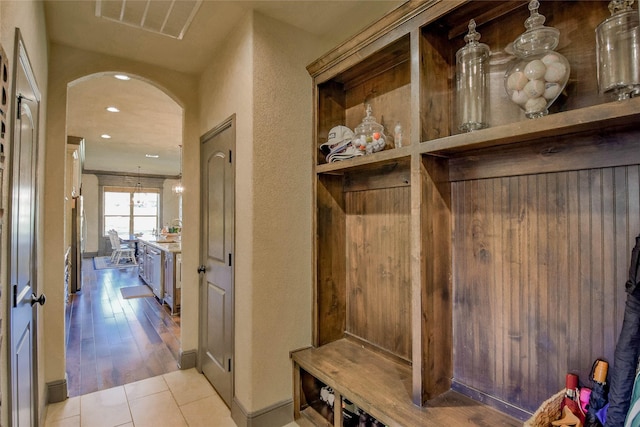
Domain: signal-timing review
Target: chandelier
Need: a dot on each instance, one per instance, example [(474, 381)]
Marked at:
[(137, 190), (178, 188)]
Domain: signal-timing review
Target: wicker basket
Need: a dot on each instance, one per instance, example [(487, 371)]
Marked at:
[(548, 411)]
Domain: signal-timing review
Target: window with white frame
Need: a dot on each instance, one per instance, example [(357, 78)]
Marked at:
[(131, 212)]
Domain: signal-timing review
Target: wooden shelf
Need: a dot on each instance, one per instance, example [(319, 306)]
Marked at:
[(363, 162), (382, 387), (608, 115), (595, 118)]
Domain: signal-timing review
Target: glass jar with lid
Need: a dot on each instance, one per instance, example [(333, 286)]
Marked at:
[(369, 135), (539, 74), (472, 62), (618, 51)]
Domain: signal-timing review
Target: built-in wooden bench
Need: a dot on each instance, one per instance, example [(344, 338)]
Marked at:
[(382, 387)]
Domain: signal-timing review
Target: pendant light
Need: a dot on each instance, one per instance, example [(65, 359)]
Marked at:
[(178, 188), (137, 190)]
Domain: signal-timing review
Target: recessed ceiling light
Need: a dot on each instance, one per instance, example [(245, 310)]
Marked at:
[(152, 156), (105, 136), (122, 77), (113, 109)]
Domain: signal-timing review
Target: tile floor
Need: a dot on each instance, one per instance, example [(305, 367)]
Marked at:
[(176, 399)]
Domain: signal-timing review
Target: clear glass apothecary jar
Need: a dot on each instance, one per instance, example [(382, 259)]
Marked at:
[(618, 51), (538, 75), (472, 62), (369, 135)]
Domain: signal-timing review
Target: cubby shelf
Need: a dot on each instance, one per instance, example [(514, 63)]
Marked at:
[(598, 117), (602, 117)]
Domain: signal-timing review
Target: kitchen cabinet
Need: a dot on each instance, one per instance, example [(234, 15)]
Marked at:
[(160, 266), (172, 280), (155, 278), (141, 258), (456, 266), (150, 267)]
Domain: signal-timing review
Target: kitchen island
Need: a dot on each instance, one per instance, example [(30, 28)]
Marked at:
[(160, 267)]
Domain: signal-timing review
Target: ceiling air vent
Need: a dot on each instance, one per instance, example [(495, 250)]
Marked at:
[(169, 17)]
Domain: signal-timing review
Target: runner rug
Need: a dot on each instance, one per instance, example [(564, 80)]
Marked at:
[(136, 292), (102, 262)]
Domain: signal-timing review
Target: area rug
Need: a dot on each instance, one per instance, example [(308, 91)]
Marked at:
[(102, 262), (139, 291)]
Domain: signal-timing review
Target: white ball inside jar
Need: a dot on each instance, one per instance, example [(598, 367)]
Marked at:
[(517, 81), (535, 69), (519, 97), (534, 89), (550, 58), (556, 71), (551, 91), (535, 105)]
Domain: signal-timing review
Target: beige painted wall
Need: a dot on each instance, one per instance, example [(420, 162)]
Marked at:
[(226, 88), (282, 204), (29, 17), (66, 66), (261, 77)]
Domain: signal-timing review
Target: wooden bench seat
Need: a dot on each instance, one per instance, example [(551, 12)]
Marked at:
[(382, 388)]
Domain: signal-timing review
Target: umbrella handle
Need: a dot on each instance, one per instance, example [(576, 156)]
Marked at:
[(599, 371)]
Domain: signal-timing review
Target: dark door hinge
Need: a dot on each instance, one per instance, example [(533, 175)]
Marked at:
[(15, 295), (229, 260), (229, 365), (230, 156)]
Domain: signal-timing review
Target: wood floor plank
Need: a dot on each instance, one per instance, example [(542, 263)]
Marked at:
[(111, 341)]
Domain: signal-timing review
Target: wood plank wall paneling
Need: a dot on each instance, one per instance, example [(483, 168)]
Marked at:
[(331, 101), (378, 274), (436, 82), (331, 267), (434, 278), (540, 263)]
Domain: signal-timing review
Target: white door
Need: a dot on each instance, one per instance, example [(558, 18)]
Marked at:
[(217, 218), (24, 148)]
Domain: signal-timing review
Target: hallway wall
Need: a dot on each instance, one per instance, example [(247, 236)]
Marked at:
[(261, 77), (29, 17)]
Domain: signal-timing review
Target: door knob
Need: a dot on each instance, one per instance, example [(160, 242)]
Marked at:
[(202, 269), (38, 299)]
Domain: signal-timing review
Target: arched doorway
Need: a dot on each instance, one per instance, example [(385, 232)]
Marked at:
[(111, 340)]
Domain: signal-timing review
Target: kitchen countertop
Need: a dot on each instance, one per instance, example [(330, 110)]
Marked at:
[(167, 244)]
